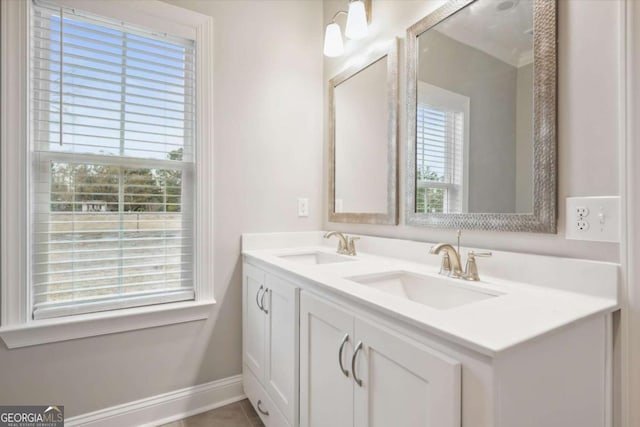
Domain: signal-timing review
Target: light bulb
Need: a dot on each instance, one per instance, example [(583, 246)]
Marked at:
[(356, 21), (333, 45)]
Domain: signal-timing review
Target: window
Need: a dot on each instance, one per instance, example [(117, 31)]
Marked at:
[(113, 130), (107, 167), (440, 144)]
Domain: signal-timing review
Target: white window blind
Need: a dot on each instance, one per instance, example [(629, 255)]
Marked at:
[(439, 160), (113, 161)]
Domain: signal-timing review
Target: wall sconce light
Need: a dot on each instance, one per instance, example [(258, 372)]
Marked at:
[(358, 18)]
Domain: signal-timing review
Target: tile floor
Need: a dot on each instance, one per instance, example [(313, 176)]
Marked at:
[(239, 414)]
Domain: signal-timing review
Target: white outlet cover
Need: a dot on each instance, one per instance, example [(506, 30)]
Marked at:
[(602, 218)]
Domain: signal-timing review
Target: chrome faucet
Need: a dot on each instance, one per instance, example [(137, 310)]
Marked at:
[(346, 245), (452, 264)]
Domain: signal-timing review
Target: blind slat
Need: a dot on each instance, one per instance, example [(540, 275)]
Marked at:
[(86, 116), (103, 76), (94, 260), (109, 268), (127, 106), (139, 239), (107, 110), (117, 277), (137, 98), (124, 48), (115, 43), (102, 125), (187, 73), (44, 23)]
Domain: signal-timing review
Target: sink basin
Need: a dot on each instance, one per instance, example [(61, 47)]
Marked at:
[(436, 292), (315, 257)]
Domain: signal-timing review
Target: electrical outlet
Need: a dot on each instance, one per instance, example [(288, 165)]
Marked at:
[(303, 207), (582, 225), (593, 218), (582, 211)]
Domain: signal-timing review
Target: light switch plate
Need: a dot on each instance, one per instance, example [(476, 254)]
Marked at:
[(303, 207), (593, 218)]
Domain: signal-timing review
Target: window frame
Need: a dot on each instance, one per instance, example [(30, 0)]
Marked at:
[(17, 328), (448, 185), (448, 101)]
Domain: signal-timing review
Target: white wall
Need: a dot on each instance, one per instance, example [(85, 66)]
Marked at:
[(588, 112), (630, 374), (491, 86), (268, 146)]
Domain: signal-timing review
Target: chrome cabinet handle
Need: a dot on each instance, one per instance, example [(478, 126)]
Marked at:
[(262, 411), (262, 301), (342, 344), (353, 363), (258, 298)]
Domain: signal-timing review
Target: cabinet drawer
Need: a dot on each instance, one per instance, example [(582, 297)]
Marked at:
[(255, 393)]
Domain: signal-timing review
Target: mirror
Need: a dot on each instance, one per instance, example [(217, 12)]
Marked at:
[(363, 141), (482, 116)]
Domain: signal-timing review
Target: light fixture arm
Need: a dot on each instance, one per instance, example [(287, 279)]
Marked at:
[(367, 7), (338, 13)]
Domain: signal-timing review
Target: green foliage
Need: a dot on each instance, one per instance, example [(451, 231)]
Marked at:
[(428, 199), (144, 189)]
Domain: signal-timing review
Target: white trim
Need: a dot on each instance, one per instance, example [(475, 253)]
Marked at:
[(167, 407), (629, 156), (103, 323), (608, 370), (17, 328), (204, 236), (14, 127)]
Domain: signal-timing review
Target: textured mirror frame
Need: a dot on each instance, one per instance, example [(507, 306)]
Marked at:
[(543, 218), (391, 216)]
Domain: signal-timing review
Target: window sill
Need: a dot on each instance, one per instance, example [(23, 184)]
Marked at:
[(90, 325)]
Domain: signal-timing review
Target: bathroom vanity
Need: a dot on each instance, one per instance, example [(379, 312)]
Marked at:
[(376, 336), (381, 339)]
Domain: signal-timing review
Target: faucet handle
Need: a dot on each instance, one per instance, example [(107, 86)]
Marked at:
[(342, 245), (445, 265), (351, 242), (471, 269), (480, 254)]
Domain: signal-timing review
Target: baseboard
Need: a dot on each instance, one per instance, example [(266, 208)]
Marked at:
[(165, 408)]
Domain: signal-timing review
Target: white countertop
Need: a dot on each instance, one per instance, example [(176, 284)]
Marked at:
[(522, 311)]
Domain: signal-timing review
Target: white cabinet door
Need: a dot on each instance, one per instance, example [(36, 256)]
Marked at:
[(254, 320), (281, 365), (404, 383), (326, 392)]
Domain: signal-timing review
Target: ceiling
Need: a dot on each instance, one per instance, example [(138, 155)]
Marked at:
[(500, 28)]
